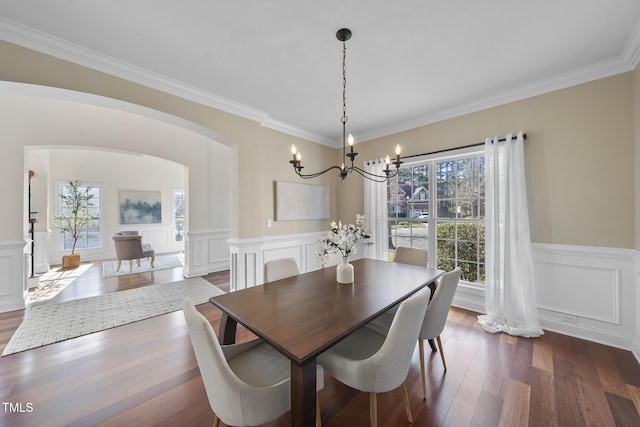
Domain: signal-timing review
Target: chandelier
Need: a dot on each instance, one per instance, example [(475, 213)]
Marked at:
[(347, 166)]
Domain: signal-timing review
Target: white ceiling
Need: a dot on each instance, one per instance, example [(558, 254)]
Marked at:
[(409, 62)]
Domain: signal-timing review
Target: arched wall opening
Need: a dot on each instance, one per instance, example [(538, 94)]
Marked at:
[(37, 119)]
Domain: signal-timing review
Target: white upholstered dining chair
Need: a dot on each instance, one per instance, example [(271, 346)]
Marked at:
[(406, 255), (280, 269), (247, 384), (414, 256), (374, 363), (434, 319)]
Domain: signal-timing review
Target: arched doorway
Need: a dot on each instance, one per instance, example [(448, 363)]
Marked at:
[(44, 117)]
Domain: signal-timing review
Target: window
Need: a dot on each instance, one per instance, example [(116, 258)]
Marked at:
[(90, 235), (446, 195), (178, 214)]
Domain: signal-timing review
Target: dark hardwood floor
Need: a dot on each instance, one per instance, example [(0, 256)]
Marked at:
[(145, 374)]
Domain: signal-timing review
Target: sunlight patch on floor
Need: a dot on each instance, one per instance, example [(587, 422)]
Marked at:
[(54, 281)]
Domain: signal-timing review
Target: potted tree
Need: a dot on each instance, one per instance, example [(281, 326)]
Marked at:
[(75, 217)]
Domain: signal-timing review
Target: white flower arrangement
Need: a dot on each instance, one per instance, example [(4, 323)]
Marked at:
[(343, 238)]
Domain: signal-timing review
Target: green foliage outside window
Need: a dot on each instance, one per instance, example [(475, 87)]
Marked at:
[(462, 244), (76, 205)]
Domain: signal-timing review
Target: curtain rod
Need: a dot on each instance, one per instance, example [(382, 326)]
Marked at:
[(524, 136)]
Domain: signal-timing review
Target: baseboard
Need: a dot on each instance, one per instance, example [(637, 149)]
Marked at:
[(469, 298), (584, 292), (635, 349)]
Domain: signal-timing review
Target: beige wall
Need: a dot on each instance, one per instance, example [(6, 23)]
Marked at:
[(579, 159), (276, 154), (580, 155), (257, 149)]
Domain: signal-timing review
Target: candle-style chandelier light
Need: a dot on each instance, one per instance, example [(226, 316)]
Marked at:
[(345, 169)]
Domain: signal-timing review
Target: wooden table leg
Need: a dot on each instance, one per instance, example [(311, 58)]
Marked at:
[(227, 332), (303, 393), (432, 287)]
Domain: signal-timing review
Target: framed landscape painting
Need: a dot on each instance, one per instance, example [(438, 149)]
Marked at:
[(140, 207)]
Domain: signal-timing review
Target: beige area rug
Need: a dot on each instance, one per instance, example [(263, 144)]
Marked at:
[(162, 262), (51, 323)]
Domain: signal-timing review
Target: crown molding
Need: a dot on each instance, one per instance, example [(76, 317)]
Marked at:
[(627, 61), (50, 45), (44, 43), (624, 63), (631, 52), (299, 132)]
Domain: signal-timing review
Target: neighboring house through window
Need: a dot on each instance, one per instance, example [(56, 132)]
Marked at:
[(445, 194)]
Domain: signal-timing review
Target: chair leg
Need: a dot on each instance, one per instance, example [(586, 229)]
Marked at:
[(216, 420), (441, 352), (130, 265), (119, 263), (422, 369), (373, 409), (138, 262), (318, 415), (407, 405), (153, 259)]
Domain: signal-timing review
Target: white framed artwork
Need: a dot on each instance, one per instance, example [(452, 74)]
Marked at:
[(301, 201)]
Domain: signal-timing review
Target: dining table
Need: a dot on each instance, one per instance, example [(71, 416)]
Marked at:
[(304, 315)]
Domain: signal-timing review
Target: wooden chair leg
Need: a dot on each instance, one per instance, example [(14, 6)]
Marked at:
[(153, 259), (130, 266), (441, 353), (216, 420), (138, 262), (422, 369), (318, 415), (407, 405), (373, 409), (119, 263)]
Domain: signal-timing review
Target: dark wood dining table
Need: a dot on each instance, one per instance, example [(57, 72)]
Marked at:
[(304, 315)]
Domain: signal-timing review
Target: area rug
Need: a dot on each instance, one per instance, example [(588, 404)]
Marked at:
[(51, 323), (162, 262)]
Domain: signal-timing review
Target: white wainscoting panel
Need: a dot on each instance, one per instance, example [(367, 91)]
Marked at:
[(157, 238), (13, 270), (206, 252), (219, 251), (584, 291), (587, 292), (41, 251), (249, 255), (246, 255)]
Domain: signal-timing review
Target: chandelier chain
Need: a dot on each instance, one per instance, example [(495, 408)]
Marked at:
[(347, 166), (344, 82)]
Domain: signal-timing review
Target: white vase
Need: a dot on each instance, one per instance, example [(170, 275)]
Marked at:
[(344, 272)]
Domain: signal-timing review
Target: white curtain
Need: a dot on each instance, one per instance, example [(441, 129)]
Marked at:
[(375, 211), (510, 299)]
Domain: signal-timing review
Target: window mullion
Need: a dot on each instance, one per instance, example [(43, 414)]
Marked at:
[(433, 213)]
